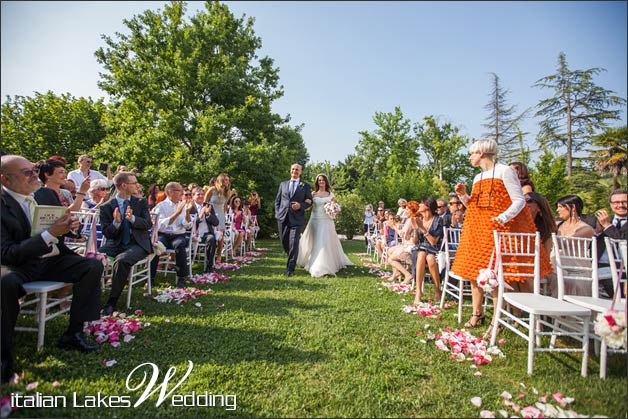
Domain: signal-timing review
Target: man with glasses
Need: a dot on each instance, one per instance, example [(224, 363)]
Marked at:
[(206, 220), (125, 222), (23, 255), (615, 227), (84, 170), (174, 221), (457, 211), (443, 211)]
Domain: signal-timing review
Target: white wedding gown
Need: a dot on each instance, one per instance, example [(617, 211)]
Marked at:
[(320, 251)]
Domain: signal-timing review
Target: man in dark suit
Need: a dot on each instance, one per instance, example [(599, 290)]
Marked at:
[(293, 198), (615, 227), (205, 222), (125, 222), (40, 257)]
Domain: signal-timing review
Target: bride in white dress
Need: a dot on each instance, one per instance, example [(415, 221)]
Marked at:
[(320, 251)]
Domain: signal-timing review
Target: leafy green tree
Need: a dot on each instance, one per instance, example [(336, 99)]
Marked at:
[(442, 145), (46, 124), (503, 122), (611, 158), (349, 221), (550, 177), (578, 109)]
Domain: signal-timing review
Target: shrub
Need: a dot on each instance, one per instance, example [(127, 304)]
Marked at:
[(349, 221)]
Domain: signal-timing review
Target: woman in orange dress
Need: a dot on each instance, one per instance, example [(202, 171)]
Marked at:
[(496, 203)]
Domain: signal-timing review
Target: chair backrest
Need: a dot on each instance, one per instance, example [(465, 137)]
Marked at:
[(451, 238), (518, 257), (616, 259), (575, 260), (154, 218)]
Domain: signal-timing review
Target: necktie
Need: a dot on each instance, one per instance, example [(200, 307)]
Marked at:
[(30, 201), (293, 187), (619, 222), (126, 226)]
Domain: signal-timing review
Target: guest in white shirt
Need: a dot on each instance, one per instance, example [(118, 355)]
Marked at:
[(174, 221), (85, 164)]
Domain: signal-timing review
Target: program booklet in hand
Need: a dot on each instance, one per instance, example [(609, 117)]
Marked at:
[(45, 216)]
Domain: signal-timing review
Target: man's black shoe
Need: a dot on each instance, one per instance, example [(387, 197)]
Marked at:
[(77, 341), (181, 283), (107, 310), (289, 273)]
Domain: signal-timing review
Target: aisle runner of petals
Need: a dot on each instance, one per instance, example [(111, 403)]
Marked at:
[(466, 347), (397, 287), (178, 295), (542, 408), (424, 309), (209, 278), (115, 328)]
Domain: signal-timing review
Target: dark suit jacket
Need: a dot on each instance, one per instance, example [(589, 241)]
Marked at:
[(20, 251), (211, 219), (139, 229), (283, 210), (612, 232)]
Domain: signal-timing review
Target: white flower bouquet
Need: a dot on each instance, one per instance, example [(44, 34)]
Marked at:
[(487, 280), (611, 326), (332, 208)]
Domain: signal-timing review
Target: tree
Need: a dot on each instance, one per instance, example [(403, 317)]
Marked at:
[(46, 124), (441, 144), (503, 123), (578, 109), (350, 219), (611, 157)]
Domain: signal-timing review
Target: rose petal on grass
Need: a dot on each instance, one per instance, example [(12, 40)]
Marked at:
[(109, 363), (506, 395), (476, 401), (32, 386), (55, 383), (487, 414)]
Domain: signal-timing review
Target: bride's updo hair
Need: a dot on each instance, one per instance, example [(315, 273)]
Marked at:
[(327, 185)]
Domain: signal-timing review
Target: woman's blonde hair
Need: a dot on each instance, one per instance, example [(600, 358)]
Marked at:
[(488, 147)]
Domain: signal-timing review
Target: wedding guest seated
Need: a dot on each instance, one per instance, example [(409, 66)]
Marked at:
[(125, 222), (400, 254), (429, 233), (390, 233), (52, 175), (98, 194), (615, 227), (368, 223), (569, 209), (402, 211), (39, 257), (206, 220), (457, 210), (174, 220), (442, 211)]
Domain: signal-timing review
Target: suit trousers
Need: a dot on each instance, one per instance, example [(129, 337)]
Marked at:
[(290, 236), (210, 250), (179, 243), (84, 273), (125, 258)]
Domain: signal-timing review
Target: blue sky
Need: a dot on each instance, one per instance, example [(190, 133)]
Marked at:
[(340, 62)]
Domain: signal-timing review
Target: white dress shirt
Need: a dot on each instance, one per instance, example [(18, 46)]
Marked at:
[(165, 209)]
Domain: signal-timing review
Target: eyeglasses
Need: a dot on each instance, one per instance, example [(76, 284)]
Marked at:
[(187, 194), (131, 183), (454, 203), (441, 206), (87, 162), (619, 202), (101, 189), (32, 172)]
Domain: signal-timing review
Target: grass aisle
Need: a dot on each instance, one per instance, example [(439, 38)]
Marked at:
[(304, 347)]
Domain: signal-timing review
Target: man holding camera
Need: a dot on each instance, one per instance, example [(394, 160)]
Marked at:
[(84, 170)]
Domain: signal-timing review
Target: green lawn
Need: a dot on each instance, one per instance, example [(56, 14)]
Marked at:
[(303, 347)]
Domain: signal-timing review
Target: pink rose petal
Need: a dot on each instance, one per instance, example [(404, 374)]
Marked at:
[(32, 386), (476, 401)]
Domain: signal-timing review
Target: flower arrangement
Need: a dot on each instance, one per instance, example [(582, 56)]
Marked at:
[(332, 208), (611, 326), (487, 280)]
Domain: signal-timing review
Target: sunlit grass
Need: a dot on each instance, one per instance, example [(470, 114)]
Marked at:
[(304, 347)]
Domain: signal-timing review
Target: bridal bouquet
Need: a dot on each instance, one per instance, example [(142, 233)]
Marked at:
[(332, 209)]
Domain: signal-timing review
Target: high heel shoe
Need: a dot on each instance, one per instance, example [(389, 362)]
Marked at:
[(479, 318), (489, 331)]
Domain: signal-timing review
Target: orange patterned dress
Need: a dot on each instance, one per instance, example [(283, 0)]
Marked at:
[(490, 198)]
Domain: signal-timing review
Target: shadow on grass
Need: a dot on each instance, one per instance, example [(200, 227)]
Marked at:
[(270, 306), (255, 283)]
